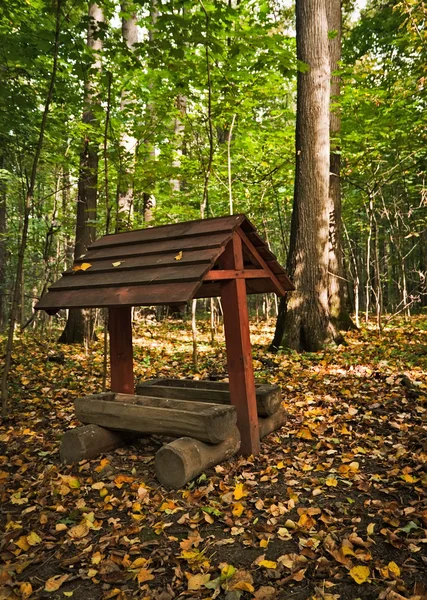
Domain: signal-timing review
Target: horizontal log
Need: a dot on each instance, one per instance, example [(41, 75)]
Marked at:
[(184, 459), (211, 423), (272, 423), (268, 396), (89, 441)]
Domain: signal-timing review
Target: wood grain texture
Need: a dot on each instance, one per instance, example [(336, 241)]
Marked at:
[(89, 441), (184, 459), (239, 354), (206, 422), (121, 350), (268, 397)]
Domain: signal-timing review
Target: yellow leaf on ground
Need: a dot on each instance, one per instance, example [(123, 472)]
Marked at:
[(245, 586), (79, 531), (196, 582), (144, 575), (331, 481), (22, 543), (263, 544), (26, 589), (239, 492), (138, 563), (91, 573), (238, 509), (33, 539), (305, 434), (54, 583), (96, 558), (370, 528), (394, 568), (360, 574), (268, 564), (228, 571)]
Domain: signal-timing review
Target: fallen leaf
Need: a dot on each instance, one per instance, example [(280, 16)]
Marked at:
[(54, 583), (26, 589), (360, 574), (238, 509), (116, 264), (33, 539), (239, 492), (268, 564), (394, 568), (179, 255), (79, 531), (144, 575), (196, 582)]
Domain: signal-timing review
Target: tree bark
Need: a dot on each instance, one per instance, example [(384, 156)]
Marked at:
[(78, 327), (125, 200), (304, 320), (336, 275), (3, 248), (27, 208)]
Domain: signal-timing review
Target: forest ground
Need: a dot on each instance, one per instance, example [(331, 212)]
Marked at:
[(334, 507)]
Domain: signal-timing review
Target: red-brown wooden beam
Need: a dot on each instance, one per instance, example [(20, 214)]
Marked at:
[(239, 354), (121, 352), (237, 274), (279, 289)]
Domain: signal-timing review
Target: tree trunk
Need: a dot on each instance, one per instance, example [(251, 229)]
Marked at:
[(128, 142), (27, 208), (77, 326), (336, 279), (304, 319), (3, 248)]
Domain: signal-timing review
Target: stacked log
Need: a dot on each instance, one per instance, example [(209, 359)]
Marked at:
[(198, 413)]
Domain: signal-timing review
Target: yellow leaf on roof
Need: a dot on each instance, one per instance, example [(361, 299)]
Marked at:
[(116, 264), (85, 266), (179, 255)]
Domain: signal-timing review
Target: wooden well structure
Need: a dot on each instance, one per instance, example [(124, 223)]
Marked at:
[(171, 265)]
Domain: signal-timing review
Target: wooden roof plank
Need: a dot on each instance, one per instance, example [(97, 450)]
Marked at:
[(175, 231), (86, 279), (138, 295), (214, 240)]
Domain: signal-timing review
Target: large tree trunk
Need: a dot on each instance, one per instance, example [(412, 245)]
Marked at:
[(304, 320), (336, 276), (78, 326), (125, 200)]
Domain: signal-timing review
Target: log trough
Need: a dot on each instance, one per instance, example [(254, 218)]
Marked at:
[(174, 264)]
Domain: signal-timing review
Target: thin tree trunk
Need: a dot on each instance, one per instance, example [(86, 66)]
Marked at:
[(27, 208), (78, 326), (128, 143), (230, 191), (194, 333), (336, 280), (204, 206), (3, 247), (304, 319)]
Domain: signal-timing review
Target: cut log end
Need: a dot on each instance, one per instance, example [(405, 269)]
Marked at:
[(89, 441), (184, 459)]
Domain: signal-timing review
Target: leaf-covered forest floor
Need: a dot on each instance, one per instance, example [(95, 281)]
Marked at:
[(333, 508)]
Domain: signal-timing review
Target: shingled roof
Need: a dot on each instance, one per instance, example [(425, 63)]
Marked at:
[(170, 264)]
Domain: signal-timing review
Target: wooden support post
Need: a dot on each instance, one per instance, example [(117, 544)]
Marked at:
[(239, 355), (121, 353)]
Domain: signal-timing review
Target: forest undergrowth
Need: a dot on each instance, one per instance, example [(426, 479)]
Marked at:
[(334, 507)]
